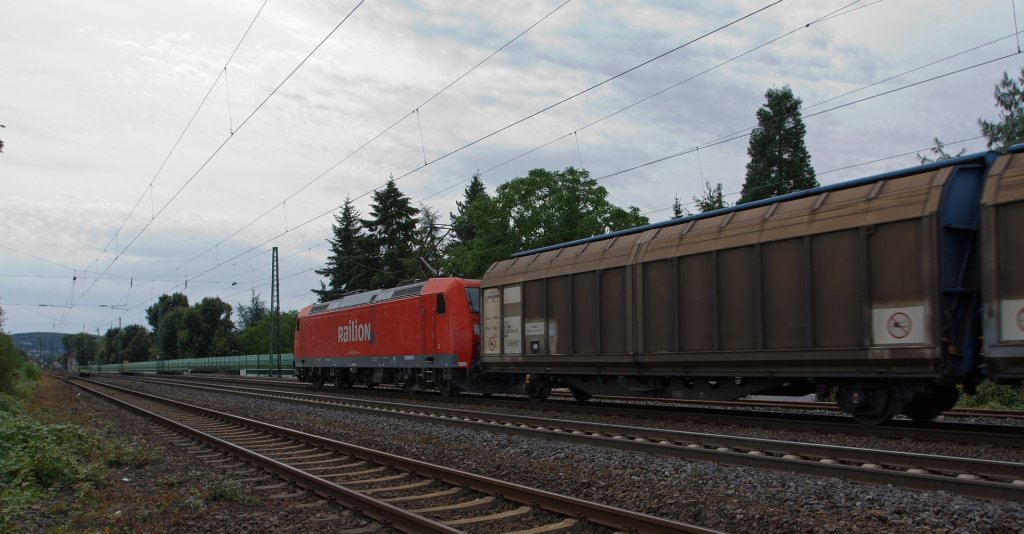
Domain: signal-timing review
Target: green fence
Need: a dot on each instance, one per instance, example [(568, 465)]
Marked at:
[(248, 364)]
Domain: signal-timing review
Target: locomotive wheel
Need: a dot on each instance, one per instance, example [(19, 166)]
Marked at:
[(340, 382), (449, 389), (318, 380), (579, 394)]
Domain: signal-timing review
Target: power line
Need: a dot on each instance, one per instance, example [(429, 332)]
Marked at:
[(745, 133), (846, 9), (521, 120), (174, 147), (221, 146), (379, 135)]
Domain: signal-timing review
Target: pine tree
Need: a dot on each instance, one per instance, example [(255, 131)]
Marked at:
[(677, 209), (779, 161), (391, 231), (481, 235), (464, 228), (1009, 95), (940, 153), (345, 269)]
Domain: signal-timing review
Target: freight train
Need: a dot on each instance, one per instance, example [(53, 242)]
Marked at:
[(894, 292)]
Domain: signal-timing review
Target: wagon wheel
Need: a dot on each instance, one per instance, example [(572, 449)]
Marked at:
[(878, 416)]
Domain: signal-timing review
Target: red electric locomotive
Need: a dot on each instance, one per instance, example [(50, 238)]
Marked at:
[(418, 336)]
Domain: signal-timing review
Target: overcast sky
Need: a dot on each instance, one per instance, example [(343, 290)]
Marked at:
[(94, 95)]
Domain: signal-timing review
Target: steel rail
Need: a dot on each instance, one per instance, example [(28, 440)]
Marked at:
[(605, 515), (375, 508), (915, 471), (1008, 435)]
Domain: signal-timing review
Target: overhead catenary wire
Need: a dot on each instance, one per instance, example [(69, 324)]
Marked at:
[(745, 133), (536, 113), (177, 141), (286, 229), (846, 9), (223, 144), (383, 132), (567, 233), (830, 15)]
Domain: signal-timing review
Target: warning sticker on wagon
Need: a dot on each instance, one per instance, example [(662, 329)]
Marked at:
[(1011, 320), (897, 326)]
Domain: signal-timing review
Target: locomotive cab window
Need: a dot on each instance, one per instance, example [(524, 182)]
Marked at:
[(473, 294), (440, 304)]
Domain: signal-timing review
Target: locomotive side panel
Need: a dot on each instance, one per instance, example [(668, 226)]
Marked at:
[(397, 335)]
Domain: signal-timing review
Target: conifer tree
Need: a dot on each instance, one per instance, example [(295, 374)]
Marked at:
[(1009, 95), (464, 228), (677, 209), (479, 233), (391, 231), (345, 269), (779, 161)]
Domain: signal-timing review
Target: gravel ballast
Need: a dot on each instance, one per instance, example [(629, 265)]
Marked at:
[(726, 498)]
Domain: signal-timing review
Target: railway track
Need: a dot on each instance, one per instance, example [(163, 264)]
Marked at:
[(974, 433), (402, 493), (970, 477)]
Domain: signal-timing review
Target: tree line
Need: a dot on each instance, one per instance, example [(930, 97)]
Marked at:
[(180, 330)]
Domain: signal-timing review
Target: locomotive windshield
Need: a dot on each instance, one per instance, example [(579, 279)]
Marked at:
[(473, 294)]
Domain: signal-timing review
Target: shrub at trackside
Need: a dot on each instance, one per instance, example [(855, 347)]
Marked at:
[(36, 459)]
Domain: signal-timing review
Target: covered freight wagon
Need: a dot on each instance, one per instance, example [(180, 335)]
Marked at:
[(870, 286)]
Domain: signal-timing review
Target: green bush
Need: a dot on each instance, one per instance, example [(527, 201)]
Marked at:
[(991, 395), (18, 376), (36, 458)]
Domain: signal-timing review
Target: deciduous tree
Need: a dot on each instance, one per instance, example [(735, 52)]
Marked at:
[(539, 209), (251, 314), (711, 199), (164, 305), (83, 346)]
